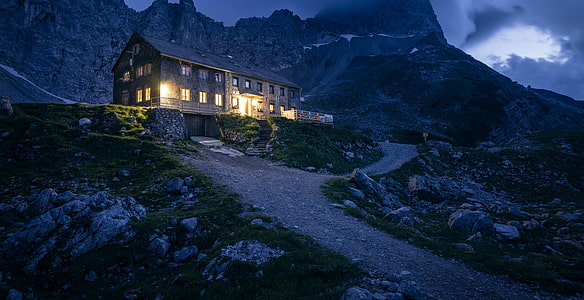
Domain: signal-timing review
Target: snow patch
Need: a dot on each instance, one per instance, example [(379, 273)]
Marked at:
[(16, 74), (349, 37), (414, 50)]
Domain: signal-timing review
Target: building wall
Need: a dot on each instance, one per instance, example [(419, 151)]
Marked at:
[(130, 61), (174, 80)]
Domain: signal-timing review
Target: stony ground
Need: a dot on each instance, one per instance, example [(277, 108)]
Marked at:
[(294, 198)]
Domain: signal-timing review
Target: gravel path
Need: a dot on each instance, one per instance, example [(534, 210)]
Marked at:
[(394, 156), (294, 198)]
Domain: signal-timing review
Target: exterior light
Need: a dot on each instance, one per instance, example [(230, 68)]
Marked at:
[(163, 90)]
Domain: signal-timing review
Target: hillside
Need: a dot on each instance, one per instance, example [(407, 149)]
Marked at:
[(391, 61), (106, 210)]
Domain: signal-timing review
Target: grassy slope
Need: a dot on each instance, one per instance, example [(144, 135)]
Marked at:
[(46, 149), (552, 167)]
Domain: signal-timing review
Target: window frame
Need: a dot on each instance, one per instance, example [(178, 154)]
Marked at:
[(185, 70), (260, 87), (219, 100), (185, 94), (235, 81), (203, 74), (247, 84), (203, 97), (139, 95)]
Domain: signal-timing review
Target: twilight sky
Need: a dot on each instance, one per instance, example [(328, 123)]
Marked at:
[(535, 42)]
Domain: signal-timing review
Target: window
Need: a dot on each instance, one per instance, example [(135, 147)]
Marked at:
[(185, 94), (126, 77), (292, 93), (272, 89), (260, 106), (136, 49), (144, 70), (218, 77), (125, 97), (260, 87), (235, 103), (248, 84), (218, 100), (147, 94), (203, 74), (235, 81), (203, 97), (272, 107), (185, 70), (281, 91), (138, 95)]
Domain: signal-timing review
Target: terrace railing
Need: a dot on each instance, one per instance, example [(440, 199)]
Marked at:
[(308, 116)]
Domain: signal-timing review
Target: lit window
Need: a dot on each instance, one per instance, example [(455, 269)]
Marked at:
[(235, 81), (138, 95), (260, 87), (185, 94), (281, 91), (144, 70), (185, 70), (235, 103), (218, 77), (126, 77), (147, 94), (203, 97), (218, 100), (248, 84), (272, 107), (271, 89), (203, 74), (260, 106)]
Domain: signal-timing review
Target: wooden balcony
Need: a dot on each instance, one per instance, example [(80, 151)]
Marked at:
[(188, 107)]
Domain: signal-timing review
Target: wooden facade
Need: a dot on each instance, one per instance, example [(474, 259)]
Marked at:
[(156, 73)]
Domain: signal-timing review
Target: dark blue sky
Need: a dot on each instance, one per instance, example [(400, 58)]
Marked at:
[(535, 42)]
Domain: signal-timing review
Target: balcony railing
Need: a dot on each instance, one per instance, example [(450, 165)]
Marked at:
[(308, 116), (190, 107)]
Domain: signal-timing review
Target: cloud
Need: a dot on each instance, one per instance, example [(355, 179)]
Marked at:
[(472, 23)]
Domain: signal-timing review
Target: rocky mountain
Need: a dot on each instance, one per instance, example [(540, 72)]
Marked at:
[(383, 68)]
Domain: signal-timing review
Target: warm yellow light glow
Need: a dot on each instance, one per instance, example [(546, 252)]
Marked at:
[(163, 90)]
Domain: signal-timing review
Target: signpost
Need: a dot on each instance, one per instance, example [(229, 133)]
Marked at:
[(425, 135)]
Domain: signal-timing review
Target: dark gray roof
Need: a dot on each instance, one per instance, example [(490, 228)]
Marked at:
[(214, 61)]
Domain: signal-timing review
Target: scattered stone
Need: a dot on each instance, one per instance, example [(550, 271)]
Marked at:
[(411, 290), (5, 107), (357, 193), (158, 247), (357, 293), (464, 246), (175, 185), (443, 147), (190, 224), (349, 203), (189, 181), (433, 190), (337, 205), (14, 295), (569, 217), (310, 169), (185, 254), (471, 221), (370, 186), (91, 276), (84, 123), (404, 216), (507, 232), (124, 173), (251, 251)]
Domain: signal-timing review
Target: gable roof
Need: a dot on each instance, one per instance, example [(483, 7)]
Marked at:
[(192, 55)]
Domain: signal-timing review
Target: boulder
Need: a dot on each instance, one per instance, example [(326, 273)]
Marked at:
[(357, 293), (45, 200), (370, 186), (402, 216), (434, 190), (158, 247), (14, 295), (411, 290), (185, 254), (507, 232), (80, 225), (175, 186), (190, 224), (5, 107), (84, 123), (471, 221), (349, 203), (357, 193)]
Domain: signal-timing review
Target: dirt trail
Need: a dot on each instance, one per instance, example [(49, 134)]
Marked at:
[(294, 197)]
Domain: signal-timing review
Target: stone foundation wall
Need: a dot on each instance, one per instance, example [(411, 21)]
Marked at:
[(168, 124)]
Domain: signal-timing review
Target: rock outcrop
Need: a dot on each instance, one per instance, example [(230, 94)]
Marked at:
[(68, 226)]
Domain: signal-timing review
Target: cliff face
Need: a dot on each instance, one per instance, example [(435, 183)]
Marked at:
[(382, 67)]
